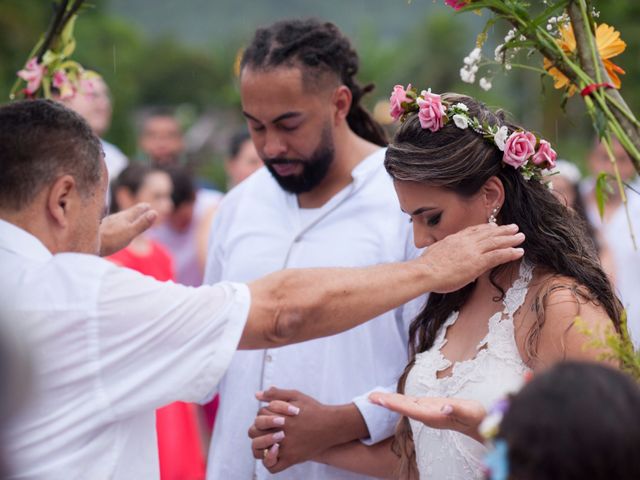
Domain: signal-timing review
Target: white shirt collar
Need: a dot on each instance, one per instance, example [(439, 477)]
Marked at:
[(368, 165), (17, 240)]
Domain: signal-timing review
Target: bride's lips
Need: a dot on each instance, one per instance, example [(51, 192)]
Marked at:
[(286, 169)]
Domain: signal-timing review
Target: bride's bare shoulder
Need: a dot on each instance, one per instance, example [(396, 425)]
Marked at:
[(566, 318)]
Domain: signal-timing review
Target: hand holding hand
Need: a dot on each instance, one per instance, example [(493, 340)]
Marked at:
[(296, 428), (118, 229), (463, 416), (460, 258)]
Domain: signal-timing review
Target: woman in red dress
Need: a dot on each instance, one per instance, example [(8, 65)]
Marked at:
[(180, 445)]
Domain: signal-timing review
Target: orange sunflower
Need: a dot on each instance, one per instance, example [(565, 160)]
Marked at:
[(609, 45)]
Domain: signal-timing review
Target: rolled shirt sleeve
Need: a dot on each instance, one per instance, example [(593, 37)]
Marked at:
[(380, 421), (158, 342)]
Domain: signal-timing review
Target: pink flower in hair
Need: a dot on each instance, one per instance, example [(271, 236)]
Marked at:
[(546, 156), (431, 113), (455, 4), (32, 74), (398, 95), (519, 147)]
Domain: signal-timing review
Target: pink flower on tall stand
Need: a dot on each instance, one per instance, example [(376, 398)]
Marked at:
[(32, 74), (398, 96), (455, 4), (431, 111), (519, 147), (63, 84), (546, 156)]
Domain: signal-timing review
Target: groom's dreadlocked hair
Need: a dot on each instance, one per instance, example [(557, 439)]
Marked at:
[(317, 47)]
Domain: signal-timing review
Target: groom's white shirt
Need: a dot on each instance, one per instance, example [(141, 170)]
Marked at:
[(109, 346), (260, 229)]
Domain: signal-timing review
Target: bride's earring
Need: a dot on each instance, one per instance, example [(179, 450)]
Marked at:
[(492, 217)]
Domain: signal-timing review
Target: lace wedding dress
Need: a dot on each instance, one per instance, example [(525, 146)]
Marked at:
[(495, 370)]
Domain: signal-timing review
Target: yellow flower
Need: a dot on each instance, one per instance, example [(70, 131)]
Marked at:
[(609, 45)]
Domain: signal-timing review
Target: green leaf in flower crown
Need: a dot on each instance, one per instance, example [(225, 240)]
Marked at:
[(603, 189)]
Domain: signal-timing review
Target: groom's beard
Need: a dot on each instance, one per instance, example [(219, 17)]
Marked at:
[(314, 169)]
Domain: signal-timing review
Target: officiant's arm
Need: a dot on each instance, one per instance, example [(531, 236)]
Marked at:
[(300, 304)]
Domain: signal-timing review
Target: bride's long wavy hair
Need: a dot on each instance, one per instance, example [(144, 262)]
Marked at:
[(556, 240)]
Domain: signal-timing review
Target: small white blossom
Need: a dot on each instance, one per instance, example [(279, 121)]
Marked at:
[(507, 66), (500, 138), (511, 34), (485, 84), (467, 76), (461, 106), (461, 121), (475, 54), (499, 53)]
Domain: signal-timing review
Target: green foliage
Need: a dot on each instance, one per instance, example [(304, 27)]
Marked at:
[(616, 347), (144, 66), (603, 190)]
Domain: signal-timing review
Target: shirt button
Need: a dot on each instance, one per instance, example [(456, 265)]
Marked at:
[(268, 358)]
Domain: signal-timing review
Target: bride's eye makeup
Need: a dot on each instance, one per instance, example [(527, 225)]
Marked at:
[(434, 220)]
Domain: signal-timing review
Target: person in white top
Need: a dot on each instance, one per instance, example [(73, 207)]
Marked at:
[(614, 229), (110, 345), (323, 199), (479, 342)]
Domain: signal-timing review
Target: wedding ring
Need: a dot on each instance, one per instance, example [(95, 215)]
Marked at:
[(265, 452)]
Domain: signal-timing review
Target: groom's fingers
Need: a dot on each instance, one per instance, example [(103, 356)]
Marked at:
[(271, 457)]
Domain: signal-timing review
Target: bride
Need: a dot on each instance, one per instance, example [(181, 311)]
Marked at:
[(455, 163)]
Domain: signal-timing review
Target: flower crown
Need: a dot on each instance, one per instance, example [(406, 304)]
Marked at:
[(521, 149)]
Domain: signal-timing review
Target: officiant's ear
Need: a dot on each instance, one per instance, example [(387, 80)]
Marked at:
[(493, 195), (62, 194)]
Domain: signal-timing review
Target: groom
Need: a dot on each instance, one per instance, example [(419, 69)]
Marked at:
[(323, 199)]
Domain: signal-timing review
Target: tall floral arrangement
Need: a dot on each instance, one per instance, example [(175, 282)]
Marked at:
[(49, 69), (569, 45)]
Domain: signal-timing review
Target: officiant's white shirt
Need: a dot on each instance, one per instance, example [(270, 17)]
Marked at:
[(109, 346), (259, 229)]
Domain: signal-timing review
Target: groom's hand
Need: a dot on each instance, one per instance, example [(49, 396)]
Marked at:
[(462, 257), (301, 427)]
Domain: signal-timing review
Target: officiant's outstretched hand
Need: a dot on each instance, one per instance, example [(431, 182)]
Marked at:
[(300, 304)]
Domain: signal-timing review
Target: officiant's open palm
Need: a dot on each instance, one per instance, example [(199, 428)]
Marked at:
[(463, 416)]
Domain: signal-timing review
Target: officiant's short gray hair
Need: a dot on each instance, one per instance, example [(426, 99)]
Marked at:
[(40, 140)]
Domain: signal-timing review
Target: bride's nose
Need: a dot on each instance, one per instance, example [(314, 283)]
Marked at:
[(422, 237)]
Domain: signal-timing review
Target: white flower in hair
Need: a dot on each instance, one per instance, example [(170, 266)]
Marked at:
[(461, 121), (500, 138), (461, 106)]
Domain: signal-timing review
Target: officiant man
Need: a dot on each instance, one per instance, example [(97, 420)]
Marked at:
[(110, 345)]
